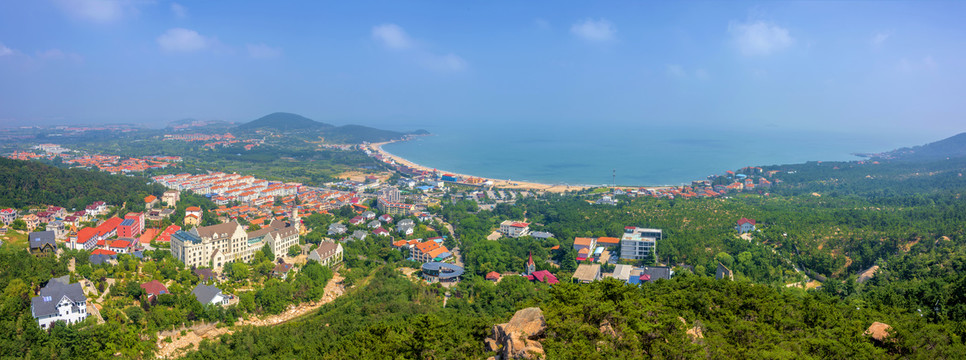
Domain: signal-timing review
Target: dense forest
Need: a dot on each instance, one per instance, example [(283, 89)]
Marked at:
[(30, 183)]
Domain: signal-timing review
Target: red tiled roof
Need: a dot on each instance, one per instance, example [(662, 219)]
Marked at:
[(608, 240), (492, 275), (103, 252), (120, 244), (746, 221), (154, 288), (85, 234)]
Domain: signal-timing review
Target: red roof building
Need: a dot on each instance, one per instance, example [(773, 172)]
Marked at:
[(154, 289)]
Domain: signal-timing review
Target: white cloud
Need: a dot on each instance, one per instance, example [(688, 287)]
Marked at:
[(99, 11), (880, 38), (676, 70), (701, 74), (179, 10), (4, 51), (392, 36), (183, 40), (541, 24), (446, 63), (926, 63), (759, 38), (262, 51), (594, 30), (57, 54)]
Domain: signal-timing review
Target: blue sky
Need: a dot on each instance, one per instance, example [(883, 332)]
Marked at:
[(876, 67)]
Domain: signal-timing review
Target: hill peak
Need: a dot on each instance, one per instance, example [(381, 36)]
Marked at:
[(283, 121)]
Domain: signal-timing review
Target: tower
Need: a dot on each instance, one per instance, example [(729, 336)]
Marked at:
[(531, 266), (615, 178)]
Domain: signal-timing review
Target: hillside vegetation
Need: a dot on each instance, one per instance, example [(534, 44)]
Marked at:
[(32, 183)]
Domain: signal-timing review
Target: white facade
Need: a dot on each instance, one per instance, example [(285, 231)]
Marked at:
[(514, 229), (639, 243), (220, 244)]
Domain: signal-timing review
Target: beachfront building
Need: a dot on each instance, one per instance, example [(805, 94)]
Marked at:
[(514, 229), (217, 245), (639, 243)]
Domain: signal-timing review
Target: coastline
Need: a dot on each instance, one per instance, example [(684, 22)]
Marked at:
[(499, 183)]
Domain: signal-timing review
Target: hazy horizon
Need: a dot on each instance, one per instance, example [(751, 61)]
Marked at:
[(856, 68)]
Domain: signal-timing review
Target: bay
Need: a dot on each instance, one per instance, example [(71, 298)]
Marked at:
[(640, 155)]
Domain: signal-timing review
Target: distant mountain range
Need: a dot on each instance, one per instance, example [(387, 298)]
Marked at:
[(288, 122), (951, 147)]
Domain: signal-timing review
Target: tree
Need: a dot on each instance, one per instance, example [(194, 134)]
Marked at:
[(267, 250), (294, 251), (238, 271), (19, 224)]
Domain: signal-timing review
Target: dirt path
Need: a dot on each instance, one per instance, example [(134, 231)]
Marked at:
[(182, 344)]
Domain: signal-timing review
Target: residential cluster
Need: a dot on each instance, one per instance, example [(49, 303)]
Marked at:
[(109, 163), (215, 140), (224, 188)]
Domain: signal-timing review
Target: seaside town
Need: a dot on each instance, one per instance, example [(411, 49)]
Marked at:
[(229, 244)]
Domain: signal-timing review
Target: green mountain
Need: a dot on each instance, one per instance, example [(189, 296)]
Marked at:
[(283, 121), (951, 147), (351, 134)]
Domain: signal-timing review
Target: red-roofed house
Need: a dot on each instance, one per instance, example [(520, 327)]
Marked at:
[(150, 201), (543, 276), (84, 240), (514, 229), (108, 228), (493, 276), (154, 289), (103, 252), (121, 246), (745, 225)]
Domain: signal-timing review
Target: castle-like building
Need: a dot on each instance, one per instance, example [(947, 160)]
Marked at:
[(216, 245)]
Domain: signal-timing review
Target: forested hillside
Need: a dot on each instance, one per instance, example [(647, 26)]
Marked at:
[(32, 183)]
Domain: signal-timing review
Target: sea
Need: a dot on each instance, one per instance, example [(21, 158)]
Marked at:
[(629, 155)]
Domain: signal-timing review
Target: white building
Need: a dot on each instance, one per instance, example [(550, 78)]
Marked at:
[(328, 254), (209, 295), (639, 243), (217, 245), (514, 229), (59, 301)]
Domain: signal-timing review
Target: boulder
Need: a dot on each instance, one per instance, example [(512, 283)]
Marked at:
[(519, 338)]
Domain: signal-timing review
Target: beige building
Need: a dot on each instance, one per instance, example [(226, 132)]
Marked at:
[(328, 253), (214, 246)]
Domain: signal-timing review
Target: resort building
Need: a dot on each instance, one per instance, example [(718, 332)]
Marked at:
[(639, 243), (514, 229), (219, 244)]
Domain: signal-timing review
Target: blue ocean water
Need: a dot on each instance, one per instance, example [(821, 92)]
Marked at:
[(641, 155)]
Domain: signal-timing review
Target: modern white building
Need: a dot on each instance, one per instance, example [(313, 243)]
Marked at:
[(514, 229), (59, 301), (639, 243)]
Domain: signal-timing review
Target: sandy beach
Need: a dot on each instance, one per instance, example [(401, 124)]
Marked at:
[(499, 183)]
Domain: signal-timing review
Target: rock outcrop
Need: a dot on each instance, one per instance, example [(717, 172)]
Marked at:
[(878, 331), (519, 338)]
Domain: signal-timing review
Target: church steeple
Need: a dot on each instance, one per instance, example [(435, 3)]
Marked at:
[(531, 266)]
